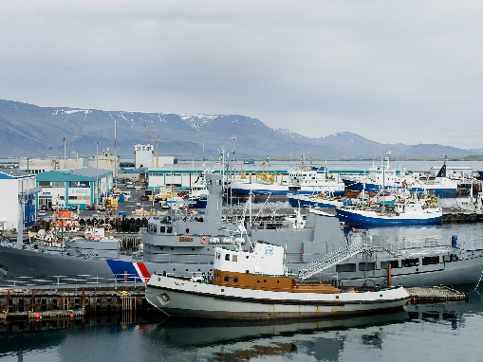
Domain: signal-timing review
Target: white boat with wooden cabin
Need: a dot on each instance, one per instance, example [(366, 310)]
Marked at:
[(249, 285)]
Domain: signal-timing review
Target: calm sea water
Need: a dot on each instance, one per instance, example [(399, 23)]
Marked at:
[(444, 332), (447, 332)]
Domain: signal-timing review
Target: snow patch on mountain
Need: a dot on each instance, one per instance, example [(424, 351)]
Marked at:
[(197, 121), (70, 111)]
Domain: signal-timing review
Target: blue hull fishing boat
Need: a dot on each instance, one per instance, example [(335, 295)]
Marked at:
[(404, 213)]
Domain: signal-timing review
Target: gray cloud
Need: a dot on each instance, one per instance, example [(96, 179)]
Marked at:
[(393, 71)]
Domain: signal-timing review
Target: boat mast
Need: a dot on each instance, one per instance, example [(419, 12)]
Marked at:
[(20, 225)]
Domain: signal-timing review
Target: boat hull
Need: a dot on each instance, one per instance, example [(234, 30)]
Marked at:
[(457, 273), (354, 218), (306, 201), (198, 203), (16, 263), (182, 298), (257, 189)]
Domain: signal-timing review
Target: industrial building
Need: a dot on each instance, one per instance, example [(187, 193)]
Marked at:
[(17, 192), (105, 161), (145, 158), (39, 165), (81, 188)]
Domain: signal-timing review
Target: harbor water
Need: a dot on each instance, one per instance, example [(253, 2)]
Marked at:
[(417, 334)]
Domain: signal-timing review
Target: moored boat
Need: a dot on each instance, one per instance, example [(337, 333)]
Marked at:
[(402, 212), (319, 200), (253, 285)]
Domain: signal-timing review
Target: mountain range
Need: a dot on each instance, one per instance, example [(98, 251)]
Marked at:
[(30, 130)]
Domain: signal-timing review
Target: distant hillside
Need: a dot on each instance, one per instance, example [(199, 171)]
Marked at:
[(32, 130)]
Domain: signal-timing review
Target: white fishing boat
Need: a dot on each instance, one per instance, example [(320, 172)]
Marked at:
[(313, 180), (253, 285)]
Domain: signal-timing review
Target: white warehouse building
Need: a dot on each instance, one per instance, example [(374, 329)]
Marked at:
[(145, 158), (18, 193)]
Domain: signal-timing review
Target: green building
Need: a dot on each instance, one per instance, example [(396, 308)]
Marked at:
[(82, 188)]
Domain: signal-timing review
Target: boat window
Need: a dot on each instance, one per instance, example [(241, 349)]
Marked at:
[(187, 231), (450, 258), (410, 262), (226, 279), (345, 267), (235, 280), (218, 255), (169, 229), (392, 263), (162, 229), (227, 257), (367, 266), (234, 258), (428, 260)]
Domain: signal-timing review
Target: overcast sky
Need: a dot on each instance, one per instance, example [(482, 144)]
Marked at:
[(394, 71)]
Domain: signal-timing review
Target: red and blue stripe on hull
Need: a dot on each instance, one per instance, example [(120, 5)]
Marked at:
[(129, 270)]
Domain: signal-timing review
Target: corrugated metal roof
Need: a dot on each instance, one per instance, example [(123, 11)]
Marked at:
[(81, 174), (8, 174)]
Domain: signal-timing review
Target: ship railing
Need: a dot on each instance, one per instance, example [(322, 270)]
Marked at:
[(332, 259), (85, 281)]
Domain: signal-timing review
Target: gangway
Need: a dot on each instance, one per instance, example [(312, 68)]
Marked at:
[(333, 258)]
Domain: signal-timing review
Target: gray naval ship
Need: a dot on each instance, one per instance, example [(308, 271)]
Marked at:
[(183, 245)]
